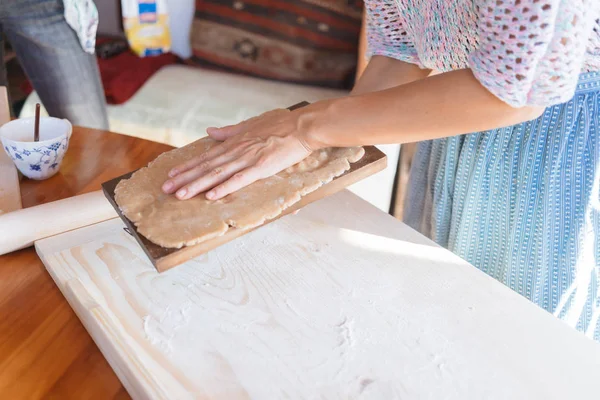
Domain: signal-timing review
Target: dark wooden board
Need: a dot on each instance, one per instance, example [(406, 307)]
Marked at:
[(164, 258)]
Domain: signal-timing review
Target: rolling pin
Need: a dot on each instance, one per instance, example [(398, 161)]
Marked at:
[(20, 228)]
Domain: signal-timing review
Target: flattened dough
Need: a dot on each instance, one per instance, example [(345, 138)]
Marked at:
[(170, 222)]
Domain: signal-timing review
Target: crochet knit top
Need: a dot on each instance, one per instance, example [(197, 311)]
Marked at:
[(526, 52)]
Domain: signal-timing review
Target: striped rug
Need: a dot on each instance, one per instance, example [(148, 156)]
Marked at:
[(304, 41)]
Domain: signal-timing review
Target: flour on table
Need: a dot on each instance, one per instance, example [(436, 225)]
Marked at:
[(169, 222), (161, 330)]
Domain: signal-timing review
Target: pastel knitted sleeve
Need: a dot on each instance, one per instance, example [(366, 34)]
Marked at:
[(531, 52), (386, 33)]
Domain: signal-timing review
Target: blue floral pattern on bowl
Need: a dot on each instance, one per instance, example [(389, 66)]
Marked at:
[(38, 160), (44, 155)]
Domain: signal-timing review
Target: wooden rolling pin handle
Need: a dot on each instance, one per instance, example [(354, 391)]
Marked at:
[(21, 228)]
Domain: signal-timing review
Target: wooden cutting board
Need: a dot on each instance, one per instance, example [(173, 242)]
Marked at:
[(373, 161), (163, 258), (341, 301), (10, 194)]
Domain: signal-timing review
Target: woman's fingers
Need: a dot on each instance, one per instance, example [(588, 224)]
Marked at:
[(212, 178), (196, 161), (236, 182), (252, 150), (206, 166), (268, 158)]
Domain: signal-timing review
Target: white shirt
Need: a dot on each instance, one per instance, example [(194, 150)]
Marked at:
[(82, 17)]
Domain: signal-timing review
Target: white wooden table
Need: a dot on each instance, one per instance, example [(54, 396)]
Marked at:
[(340, 301)]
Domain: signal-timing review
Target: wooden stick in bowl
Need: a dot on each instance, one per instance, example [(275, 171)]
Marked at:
[(36, 132)]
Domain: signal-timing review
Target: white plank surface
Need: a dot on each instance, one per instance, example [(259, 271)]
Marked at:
[(338, 302)]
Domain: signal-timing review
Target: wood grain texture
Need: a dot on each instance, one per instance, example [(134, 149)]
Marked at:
[(4, 106), (45, 352), (10, 195), (373, 161), (93, 157), (339, 301)]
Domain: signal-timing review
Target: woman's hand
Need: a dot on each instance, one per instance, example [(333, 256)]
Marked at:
[(251, 150)]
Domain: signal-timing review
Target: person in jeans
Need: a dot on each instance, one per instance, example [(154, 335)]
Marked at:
[(54, 42)]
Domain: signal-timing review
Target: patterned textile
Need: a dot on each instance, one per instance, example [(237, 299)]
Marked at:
[(304, 41), (522, 204), (523, 51), (82, 17)]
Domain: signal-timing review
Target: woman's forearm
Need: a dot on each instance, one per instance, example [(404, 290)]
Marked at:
[(444, 105), (384, 73), (438, 106)]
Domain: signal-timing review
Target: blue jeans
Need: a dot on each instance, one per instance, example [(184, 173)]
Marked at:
[(65, 77)]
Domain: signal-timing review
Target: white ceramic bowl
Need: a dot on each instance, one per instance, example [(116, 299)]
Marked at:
[(36, 160)]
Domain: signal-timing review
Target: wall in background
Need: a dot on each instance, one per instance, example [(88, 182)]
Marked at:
[(109, 18)]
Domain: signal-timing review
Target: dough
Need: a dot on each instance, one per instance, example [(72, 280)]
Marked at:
[(170, 222)]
